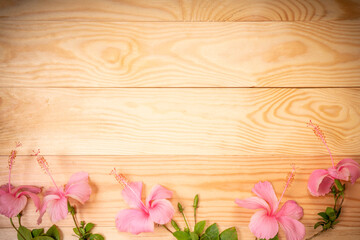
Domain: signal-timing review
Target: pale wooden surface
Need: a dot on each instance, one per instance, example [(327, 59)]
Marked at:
[(181, 10), (215, 121), (148, 87), (177, 54)]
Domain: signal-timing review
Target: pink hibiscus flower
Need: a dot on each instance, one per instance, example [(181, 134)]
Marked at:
[(14, 199), (321, 180), (141, 217), (56, 198), (265, 223)]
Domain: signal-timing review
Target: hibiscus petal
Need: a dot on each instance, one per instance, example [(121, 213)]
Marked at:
[(10, 206), (320, 182), (161, 211), (253, 203), (4, 188), (349, 167), (266, 191), (58, 209), (47, 199), (293, 229), (132, 195), (27, 188), (78, 187), (291, 209), (158, 192), (34, 197), (134, 221), (263, 226), (78, 177)]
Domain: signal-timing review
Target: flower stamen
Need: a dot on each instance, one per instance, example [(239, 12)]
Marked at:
[(44, 166), (289, 179), (11, 161), (125, 183), (120, 178), (319, 133)]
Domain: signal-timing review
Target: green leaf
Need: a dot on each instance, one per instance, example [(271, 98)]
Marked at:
[(194, 236), (96, 237), (76, 231), (187, 230), (327, 225), (25, 232), (211, 233), (331, 213), (180, 235), (199, 227), (53, 232), (89, 226), (175, 226), (82, 230), (43, 238), (37, 232), (323, 215), (229, 234), (319, 224)]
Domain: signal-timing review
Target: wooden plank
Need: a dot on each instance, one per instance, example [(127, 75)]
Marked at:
[(217, 179), (90, 54), (211, 121), (183, 10)]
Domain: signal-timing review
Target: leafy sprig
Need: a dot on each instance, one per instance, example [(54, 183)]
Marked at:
[(329, 218), (83, 232), (24, 233), (199, 232)]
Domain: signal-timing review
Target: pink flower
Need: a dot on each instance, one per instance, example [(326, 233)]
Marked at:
[(56, 198), (14, 199), (265, 223), (321, 180), (141, 217)]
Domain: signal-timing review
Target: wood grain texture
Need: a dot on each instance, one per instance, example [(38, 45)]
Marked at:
[(179, 121), (92, 54), (180, 10), (217, 179)]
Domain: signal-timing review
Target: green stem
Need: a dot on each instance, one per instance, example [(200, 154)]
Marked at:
[(185, 220), (315, 235), (343, 198), (12, 223), (167, 229), (72, 211), (19, 218), (195, 215)]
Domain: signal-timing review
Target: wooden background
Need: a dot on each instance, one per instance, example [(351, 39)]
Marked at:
[(204, 97)]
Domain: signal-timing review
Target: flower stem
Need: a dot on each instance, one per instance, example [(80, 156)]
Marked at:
[(315, 235), (195, 205), (19, 218), (195, 215), (185, 220), (12, 223), (71, 209), (167, 229)]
